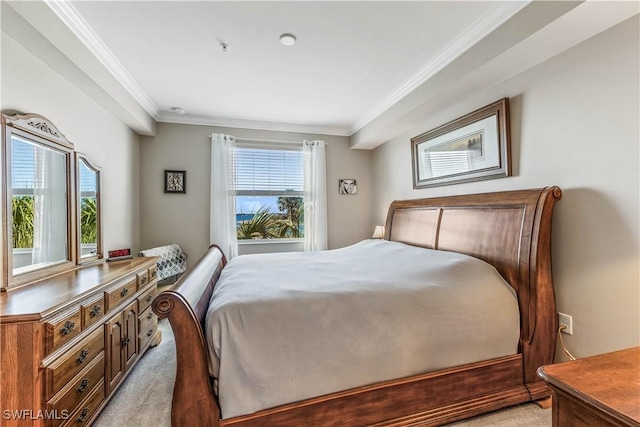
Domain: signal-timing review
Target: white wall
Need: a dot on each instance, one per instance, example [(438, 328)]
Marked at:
[(31, 86), (574, 123), (184, 218)]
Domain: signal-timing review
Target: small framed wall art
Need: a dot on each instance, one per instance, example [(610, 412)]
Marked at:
[(471, 148), (347, 186), (175, 181)]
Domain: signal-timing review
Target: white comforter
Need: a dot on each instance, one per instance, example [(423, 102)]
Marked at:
[(290, 326)]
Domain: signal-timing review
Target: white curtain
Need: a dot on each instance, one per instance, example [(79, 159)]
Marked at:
[(223, 196), (50, 207), (315, 196)]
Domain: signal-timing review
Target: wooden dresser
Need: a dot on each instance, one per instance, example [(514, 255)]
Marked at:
[(67, 342), (601, 390)]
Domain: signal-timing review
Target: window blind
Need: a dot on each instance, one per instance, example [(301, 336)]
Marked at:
[(88, 181), (31, 164), (22, 167), (268, 172)]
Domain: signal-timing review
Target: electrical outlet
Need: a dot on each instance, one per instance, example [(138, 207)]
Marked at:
[(567, 321)]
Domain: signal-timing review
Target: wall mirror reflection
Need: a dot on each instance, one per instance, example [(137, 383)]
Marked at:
[(88, 184), (37, 215), (38, 205)]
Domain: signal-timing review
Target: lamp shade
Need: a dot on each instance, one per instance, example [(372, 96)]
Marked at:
[(378, 232)]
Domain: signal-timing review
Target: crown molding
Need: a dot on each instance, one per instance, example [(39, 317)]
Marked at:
[(482, 27), (69, 15), (192, 119)]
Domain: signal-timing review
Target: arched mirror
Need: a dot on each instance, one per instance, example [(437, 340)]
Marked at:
[(38, 219), (89, 224)]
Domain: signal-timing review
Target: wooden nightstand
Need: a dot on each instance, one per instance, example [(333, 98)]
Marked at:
[(602, 390)]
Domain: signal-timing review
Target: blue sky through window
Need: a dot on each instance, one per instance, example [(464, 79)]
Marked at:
[(250, 204)]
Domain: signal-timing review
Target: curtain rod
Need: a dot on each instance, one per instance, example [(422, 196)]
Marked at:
[(278, 141)]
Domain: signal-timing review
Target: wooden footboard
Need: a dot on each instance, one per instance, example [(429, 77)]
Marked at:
[(194, 402), (428, 400), (512, 232)]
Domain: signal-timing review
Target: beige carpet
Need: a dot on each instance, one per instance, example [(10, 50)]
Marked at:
[(144, 399)]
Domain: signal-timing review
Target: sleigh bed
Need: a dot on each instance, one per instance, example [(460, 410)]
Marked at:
[(510, 231)]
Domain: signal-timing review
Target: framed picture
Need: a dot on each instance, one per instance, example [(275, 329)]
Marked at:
[(347, 186), (474, 147), (175, 181)]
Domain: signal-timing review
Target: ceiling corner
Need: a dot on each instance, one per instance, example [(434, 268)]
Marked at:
[(68, 14), (40, 30)]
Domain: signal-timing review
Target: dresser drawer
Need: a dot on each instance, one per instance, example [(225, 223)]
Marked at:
[(61, 371), (146, 298), (147, 319), (61, 329), (143, 278), (79, 388), (153, 273), (92, 311), (116, 295), (87, 409), (146, 334)]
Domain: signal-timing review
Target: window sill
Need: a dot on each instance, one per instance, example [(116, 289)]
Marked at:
[(249, 242)]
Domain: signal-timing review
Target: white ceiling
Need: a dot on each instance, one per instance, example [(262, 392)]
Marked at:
[(367, 69), (351, 62)]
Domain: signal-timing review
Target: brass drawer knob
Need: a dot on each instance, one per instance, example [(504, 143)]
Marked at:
[(143, 279), (83, 355), (67, 328), (95, 310), (124, 292)]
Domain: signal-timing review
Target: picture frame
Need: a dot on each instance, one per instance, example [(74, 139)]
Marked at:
[(175, 181), (474, 147), (347, 186)]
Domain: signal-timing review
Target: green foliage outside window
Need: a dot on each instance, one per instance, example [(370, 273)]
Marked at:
[(23, 209), (286, 224), (89, 220)]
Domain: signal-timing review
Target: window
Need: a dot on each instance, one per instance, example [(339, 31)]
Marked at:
[(269, 193)]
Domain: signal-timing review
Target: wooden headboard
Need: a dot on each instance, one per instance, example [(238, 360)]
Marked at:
[(510, 230)]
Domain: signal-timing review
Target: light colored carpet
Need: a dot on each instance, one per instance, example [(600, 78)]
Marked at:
[(144, 399)]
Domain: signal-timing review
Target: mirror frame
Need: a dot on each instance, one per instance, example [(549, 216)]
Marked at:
[(40, 130), (80, 157)]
